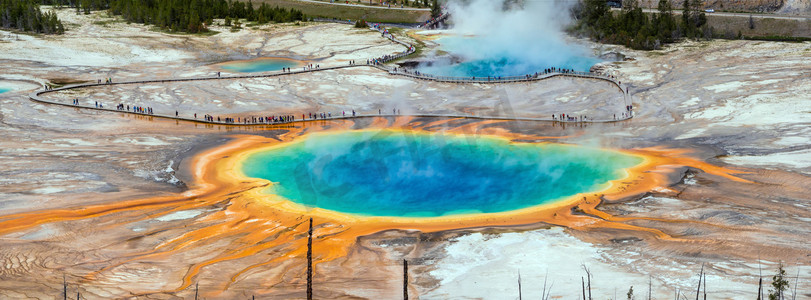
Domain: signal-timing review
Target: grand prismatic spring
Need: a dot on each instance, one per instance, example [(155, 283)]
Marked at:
[(140, 162), (403, 174)]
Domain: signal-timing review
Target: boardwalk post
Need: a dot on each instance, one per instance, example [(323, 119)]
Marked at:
[(405, 279), (310, 261)]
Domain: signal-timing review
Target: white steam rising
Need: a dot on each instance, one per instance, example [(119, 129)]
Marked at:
[(494, 40)]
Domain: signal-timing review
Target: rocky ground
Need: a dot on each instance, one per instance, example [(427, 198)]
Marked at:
[(740, 104)]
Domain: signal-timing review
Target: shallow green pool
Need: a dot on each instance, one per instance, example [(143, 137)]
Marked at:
[(260, 65)]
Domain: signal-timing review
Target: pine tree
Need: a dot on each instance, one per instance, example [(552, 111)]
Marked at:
[(436, 11), (780, 284), (685, 17)]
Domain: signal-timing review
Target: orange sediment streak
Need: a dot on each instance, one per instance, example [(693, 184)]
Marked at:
[(256, 224)]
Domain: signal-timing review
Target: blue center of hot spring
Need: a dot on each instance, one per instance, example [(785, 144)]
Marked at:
[(505, 60), (509, 66), (405, 174)]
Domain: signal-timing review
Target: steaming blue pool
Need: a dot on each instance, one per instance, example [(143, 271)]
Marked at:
[(3, 90), (506, 66), (483, 61), (260, 65), (407, 174)]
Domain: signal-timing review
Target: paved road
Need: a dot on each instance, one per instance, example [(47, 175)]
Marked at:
[(647, 10), (343, 3), (729, 14)]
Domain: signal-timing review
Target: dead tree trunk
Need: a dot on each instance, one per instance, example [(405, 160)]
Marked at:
[(519, 285), (583, 282), (796, 283), (405, 279), (705, 286), (310, 261), (698, 290), (760, 281), (588, 280)]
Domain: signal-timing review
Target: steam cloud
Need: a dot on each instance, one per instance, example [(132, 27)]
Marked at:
[(497, 39)]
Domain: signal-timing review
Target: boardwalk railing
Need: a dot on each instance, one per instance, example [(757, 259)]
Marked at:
[(375, 63), (434, 22), (472, 79)]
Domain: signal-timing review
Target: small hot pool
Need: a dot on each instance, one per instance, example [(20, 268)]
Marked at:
[(3, 90), (260, 65), (408, 174)]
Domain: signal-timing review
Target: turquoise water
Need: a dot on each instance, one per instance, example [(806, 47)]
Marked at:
[(392, 173), (482, 57), (3, 90), (508, 66), (260, 65)]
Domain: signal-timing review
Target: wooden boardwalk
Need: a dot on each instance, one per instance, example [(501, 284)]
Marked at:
[(378, 64)]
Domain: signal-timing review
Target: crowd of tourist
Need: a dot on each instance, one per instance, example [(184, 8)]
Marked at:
[(271, 119), (488, 78), (570, 118), (430, 24), (385, 58)]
